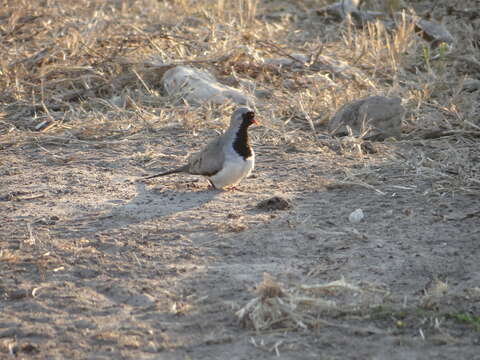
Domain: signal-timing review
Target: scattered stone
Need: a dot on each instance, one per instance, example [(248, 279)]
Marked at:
[(48, 220), (471, 85), (274, 203), (29, 349), (17, 294), (295, 60), (368, 147), (356, 216), (289, 84), (362, 18), (263, 94), (86, 273), (337, 68), (85, 324), (7, 197), (469, 13), (373, 118), (433, 32), (199, 86), (340, 9)]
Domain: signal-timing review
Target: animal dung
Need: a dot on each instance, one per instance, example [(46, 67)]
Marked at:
[(274, 203)]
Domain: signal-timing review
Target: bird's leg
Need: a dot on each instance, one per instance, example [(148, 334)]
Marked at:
[(232, 188), (211, 184)]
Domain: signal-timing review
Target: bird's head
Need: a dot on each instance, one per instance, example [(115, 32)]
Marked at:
[(243, 116)]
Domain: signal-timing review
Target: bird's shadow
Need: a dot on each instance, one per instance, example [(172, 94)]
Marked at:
[(146, 205)]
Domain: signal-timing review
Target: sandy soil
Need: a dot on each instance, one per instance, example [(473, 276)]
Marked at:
[(95, 265)]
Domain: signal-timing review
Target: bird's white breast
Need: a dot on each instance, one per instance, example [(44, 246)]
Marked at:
[(235, 168)]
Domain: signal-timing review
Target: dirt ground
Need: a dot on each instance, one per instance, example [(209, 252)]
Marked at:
[(95, 265), (105, 267)]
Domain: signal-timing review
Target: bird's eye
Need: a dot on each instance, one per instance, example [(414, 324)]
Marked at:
[(250, 115)]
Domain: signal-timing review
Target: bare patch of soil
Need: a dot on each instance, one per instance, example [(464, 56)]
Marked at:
[(94, 263)]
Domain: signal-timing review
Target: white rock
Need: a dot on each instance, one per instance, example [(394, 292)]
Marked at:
[(356, 216), (199, 86)]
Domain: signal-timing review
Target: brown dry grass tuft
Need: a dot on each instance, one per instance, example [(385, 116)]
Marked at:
[(281, 307)]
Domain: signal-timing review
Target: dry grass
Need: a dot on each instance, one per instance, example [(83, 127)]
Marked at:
[(93, 67), (279, 307)]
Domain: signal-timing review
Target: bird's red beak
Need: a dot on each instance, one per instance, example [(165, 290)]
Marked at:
[(251, 116)]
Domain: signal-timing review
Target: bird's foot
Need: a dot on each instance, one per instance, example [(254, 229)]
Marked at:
[(232, 188), (211, 186)]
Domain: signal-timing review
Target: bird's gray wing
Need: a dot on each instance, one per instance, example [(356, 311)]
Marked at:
[(209, 160)]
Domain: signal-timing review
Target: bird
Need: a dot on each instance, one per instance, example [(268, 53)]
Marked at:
[(227, 159)]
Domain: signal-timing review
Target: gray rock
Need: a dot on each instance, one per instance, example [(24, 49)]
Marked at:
[(362, 18), (85, 324), (340, 9), (374, 118), (471, 85), (434, 32), (295, 60)]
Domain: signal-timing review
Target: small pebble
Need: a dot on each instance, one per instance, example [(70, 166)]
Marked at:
[(356, 216)]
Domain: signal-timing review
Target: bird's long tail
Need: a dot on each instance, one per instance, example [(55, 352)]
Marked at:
[(174, 171)]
